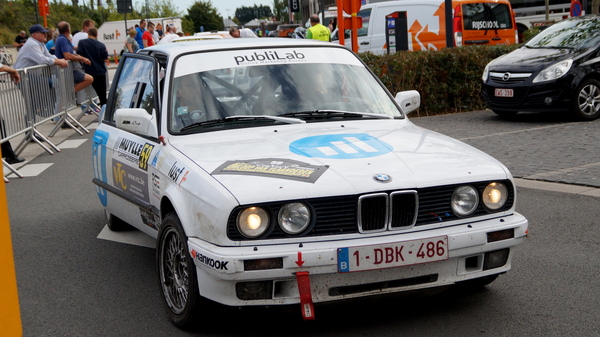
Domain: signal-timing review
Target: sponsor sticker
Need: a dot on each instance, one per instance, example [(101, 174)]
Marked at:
[(342, 146), (274, 168), (130, 180)]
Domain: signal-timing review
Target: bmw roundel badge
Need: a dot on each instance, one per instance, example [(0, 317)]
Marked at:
[(382, 178)]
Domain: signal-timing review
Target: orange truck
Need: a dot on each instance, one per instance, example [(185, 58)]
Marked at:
[(474, 22)]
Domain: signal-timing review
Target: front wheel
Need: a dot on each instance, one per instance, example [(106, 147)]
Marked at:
[(586, 104), (177, 273)]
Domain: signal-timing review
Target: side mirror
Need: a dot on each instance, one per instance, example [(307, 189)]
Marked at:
[(409, 100), (137, 121)]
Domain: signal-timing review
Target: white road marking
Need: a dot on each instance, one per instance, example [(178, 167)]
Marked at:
[(71, 143), (132, 237), (360, 144), (29, 170)]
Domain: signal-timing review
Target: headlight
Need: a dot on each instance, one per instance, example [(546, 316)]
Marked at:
[(253, 222), (486, 72), (464, 200), (553, 72), (494, 196), (294, 218)]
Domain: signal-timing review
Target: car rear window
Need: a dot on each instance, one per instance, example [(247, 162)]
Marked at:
[(485, 16)]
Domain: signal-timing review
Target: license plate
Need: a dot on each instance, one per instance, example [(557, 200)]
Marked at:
[(504, 93), (392, 255)]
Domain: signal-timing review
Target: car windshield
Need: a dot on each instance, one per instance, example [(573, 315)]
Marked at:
[(577, 33), (265, 84)]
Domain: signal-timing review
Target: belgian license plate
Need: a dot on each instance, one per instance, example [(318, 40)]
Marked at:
[(392, 255), (504, 93)]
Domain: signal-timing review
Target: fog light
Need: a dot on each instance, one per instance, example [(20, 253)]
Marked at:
[(263, 264), (262, 290), (495, 259), (548, 100)]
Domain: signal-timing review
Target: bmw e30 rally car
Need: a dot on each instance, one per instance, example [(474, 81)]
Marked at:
[(277, 172)]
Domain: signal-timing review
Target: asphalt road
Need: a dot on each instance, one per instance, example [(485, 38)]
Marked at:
[(73, 284)]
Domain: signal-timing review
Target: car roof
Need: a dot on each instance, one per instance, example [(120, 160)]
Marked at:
[(198, 38), (174, 49)]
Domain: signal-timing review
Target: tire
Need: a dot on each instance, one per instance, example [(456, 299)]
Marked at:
[(115, 224), (478, 282), (504, 113), (586, 103), (177, 274)]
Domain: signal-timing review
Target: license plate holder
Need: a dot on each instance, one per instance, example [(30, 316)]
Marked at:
[(499, 92), (397, 254)]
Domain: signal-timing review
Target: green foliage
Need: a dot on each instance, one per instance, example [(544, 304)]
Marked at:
[(280, 10), (531, 32), (17, 15), (449, 80), (247, 14), (202, 13)]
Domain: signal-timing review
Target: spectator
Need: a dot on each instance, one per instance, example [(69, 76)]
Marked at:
[(317, 31), (169, 36), (32, 54), (20, 40), (140, 31), (7, 151), (131, 44), (96, 52), (64, 49), (159, 32), (83, 33), (241, 33), (51, 42), (147, 37)]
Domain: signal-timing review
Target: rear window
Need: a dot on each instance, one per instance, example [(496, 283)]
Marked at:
[(485, 16)]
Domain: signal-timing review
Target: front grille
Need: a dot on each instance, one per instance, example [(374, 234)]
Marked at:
[(511, 78), (390, 210)]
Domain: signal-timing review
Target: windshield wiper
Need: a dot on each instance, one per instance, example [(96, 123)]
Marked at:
[(230, 119), (324, 114)]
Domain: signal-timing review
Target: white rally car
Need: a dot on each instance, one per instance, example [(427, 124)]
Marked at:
[(277, 172)]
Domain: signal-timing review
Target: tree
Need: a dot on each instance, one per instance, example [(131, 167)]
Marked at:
[(202, 13), (247, 14), (280, 9)]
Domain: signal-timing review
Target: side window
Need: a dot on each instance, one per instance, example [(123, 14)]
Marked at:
[(135, 87), (365, 15)]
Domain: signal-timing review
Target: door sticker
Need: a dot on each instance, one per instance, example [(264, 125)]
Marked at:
[(343, 146), (99, 162)]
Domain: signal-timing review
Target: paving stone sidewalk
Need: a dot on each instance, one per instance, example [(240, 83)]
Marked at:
[(545, 147)]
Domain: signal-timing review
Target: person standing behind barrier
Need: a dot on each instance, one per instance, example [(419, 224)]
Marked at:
[(241, 33), (83, 33), (20, 40), (64, 49), (96, 52), (131, 44), (7, 150), (140, 31), (169, 36), (148, 36), (318, 31), (34, 53)]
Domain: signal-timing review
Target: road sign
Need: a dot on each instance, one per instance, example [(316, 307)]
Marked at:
[(10, 317), (575, 8)]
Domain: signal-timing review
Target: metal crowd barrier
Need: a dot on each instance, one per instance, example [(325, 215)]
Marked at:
[(44, 94)]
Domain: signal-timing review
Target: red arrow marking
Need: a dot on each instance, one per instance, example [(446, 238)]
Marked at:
[(299, 262)]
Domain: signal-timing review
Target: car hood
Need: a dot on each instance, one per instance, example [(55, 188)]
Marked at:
[(527, 59), (326, 159)]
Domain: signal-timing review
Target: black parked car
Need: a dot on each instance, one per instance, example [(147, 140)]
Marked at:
[(557, 70)]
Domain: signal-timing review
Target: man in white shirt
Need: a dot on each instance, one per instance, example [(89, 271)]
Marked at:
[(241, 33), (170, 35), (83, 34)]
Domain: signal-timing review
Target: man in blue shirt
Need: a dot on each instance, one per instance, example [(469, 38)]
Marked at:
[(140, 31), (64, 49)]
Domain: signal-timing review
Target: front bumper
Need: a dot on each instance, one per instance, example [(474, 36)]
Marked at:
[(222, 278), (530, 97)]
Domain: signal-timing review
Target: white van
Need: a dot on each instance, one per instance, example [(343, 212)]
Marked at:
[(114, 33), (474, 22)]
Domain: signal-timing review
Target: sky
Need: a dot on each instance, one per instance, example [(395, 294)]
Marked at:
[(223, 5)]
